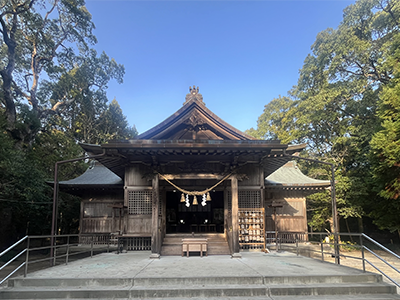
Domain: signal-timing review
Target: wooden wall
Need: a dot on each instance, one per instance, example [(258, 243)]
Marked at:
[(254, 175), (139, 224), (292, 216), (135, 175), (97, 215), (137, 178)]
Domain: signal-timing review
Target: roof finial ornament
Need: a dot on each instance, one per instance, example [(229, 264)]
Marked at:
[(194, 95), (194, 90)]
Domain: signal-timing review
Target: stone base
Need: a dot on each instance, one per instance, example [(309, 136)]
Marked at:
[(154, 256), (236, 255)]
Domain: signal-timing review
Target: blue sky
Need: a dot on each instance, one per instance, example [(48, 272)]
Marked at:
[(242, 54)]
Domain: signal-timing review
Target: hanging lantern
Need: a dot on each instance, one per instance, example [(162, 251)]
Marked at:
[(195, 200), (208, 196), (183, 198)]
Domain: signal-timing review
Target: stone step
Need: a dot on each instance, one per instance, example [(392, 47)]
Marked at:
[(292, 280), (212, 250), (217, 244), (133, 292), (160, 291), (193, 281), (334, 297), (332, 289)]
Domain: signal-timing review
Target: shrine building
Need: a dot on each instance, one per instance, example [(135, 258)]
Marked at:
[(193, 175)]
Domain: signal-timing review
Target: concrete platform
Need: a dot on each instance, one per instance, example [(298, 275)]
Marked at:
[(255, 276), (138, 265)]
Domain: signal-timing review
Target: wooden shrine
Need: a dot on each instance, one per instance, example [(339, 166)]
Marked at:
[(193, 173)]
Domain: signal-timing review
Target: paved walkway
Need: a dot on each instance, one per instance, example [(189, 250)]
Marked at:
[(138, 264)]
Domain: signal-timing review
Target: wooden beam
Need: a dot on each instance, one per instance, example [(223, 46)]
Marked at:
[(196, 176), (191, 176)]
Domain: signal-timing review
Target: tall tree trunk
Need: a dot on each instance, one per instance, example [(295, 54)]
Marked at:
[(348, 229), (6, 74), (11, 114), (360, 225)]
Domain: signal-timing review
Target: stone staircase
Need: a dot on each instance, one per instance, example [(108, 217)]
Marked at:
[(217, 244), (363, 286)]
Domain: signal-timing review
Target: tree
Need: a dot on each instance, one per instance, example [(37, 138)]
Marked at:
[(385, 146), (50, 38), (83, 89), (52, 96), (334, 106), (114, 126)]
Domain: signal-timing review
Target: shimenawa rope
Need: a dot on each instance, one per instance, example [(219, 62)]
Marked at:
[(195, 193)]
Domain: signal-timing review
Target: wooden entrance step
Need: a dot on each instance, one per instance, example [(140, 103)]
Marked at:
[(217, 244)]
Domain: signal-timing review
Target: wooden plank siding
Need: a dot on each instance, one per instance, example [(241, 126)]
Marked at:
[(253, 174), (291, 224), (138, 224), (97, 214), (292, 216), (98, 225), (134, 175)]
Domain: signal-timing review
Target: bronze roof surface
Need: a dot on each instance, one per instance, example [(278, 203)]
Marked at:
[(291, 176), (96, 175)]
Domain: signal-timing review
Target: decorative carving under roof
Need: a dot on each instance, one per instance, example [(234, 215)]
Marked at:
[(194, 95)]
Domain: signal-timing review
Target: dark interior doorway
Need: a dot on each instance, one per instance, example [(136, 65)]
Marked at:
[(195, 218)]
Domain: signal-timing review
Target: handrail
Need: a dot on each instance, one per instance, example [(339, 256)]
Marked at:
[(66, 243), (12, 273), (377, 256), (14, 245), (383, 273), (291, 239), (381, 246), (11, 260)]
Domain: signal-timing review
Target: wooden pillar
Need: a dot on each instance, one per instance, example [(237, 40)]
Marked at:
[(163, 225), (226, 212), (263, 205), (155, 230), (235, 213)]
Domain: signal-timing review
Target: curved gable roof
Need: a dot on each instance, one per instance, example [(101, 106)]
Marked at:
[(290, 175), (97, 175), (194, 121)]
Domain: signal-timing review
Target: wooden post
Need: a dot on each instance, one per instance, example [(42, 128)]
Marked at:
[(235, 221), (262, 205), (155, 231), (226, 211)]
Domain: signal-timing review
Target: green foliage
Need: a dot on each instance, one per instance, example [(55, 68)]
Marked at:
[(53, 95), (113, 125), (345, 107), (385, 145), (276, 123), (23, 191), (51, 40)]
